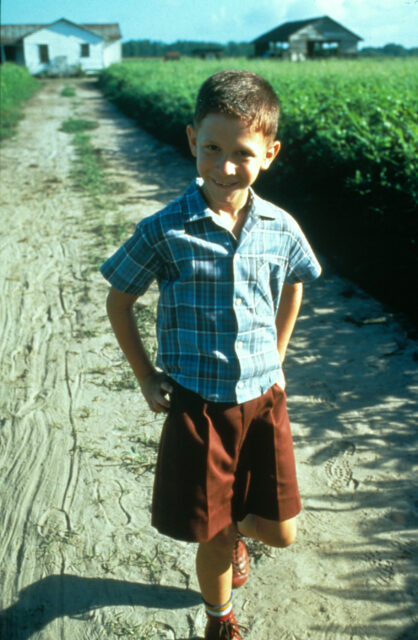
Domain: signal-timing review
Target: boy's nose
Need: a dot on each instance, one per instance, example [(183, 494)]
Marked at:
[(226, 166)]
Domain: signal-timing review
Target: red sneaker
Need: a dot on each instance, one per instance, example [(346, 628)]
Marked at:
[(240, 563), (222, 629)]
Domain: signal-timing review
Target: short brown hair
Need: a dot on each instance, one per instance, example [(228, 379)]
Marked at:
[(240, 94)]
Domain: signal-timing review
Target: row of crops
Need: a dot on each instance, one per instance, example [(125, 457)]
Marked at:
[(349, 147), (16, 85)]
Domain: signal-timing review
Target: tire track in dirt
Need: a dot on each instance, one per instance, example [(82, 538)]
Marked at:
[(35, 332)]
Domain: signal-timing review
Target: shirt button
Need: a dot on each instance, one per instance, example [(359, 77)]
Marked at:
[(240, 385), (240, 345), (239, 301)]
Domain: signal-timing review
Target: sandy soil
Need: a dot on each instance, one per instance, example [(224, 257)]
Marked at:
[(78, 557)]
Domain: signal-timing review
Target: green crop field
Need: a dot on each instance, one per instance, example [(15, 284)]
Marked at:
[(16, 85), (349, 131), (355, 119)]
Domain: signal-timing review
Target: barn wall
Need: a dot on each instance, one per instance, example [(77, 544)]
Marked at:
[(112, 52), (64, 47), (308, 33), (299, 48), (349, 47)]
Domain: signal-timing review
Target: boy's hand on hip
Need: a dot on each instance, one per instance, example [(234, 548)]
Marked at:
[(155, 389)]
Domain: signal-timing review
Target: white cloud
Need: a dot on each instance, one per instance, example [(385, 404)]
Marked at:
[(219, 16), (376, 21)]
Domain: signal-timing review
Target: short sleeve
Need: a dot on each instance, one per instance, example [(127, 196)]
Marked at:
[(133, 267), (303, 264)]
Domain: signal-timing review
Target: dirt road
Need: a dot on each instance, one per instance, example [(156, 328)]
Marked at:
[(78, 557)]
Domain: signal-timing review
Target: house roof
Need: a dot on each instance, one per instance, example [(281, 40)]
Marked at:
[(106, 31), (13, 33), (283, 32)]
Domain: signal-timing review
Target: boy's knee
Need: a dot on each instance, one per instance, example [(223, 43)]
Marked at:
[(277, 534), (278, 539), (285, 540)]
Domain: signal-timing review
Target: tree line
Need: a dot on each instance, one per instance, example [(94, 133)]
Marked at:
[(389, 50), (157, 49)]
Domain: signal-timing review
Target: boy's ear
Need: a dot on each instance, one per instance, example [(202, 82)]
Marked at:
[(192, 138), (271, 153)]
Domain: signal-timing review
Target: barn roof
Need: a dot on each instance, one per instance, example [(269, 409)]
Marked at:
[(13, 33), (283, 32)]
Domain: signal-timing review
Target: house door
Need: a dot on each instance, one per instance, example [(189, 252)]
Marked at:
[(10, 53), (311, 49)]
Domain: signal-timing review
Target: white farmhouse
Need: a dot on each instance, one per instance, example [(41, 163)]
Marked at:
[(61, 47)]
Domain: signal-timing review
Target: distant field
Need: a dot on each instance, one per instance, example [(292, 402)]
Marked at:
[(16, 85), (349, 130)]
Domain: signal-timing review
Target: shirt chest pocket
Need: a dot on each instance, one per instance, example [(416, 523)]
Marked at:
[(269, 275), (200, 283)]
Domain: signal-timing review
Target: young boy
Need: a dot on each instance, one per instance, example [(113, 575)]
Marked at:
[(230, 268)]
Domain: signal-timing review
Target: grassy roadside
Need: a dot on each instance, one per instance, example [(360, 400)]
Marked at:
[(88, 175), (88, 171), (16, 86)]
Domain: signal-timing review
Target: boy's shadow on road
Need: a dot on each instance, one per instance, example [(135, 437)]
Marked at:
[(65, 595)]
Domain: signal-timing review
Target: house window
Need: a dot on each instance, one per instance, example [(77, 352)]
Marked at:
[(43, 53), (85, 50)]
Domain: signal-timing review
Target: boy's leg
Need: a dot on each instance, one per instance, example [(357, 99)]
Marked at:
[(274, 534), (214, 568)]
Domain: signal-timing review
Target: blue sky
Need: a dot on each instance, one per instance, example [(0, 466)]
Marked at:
[(377, 21)]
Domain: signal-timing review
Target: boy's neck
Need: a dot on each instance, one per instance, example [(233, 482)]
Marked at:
[(233, 218), (234, 209), (237, 223)]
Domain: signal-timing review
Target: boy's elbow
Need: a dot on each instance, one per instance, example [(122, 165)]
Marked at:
[(118, 301), (297, 287), (292, 291)]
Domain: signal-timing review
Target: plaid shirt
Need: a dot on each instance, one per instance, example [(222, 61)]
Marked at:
[(218, 296)]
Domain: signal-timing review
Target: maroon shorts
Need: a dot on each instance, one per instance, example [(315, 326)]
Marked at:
[(220, 461)]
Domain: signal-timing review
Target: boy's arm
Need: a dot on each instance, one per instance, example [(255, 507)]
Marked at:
[(287, 314), (153, 383)]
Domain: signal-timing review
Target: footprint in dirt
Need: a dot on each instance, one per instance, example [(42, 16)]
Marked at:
[(338, 468), (337, 460)]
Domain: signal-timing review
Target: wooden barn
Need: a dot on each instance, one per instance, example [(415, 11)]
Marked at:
[(61, 47), (208, 52), (304, 39)]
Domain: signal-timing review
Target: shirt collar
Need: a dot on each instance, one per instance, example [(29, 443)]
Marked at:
[(196, 207)]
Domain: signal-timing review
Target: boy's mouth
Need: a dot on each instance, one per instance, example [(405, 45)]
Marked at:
[(225, 185)]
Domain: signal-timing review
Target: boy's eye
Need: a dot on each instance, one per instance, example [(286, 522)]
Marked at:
[(244, 153), (211, 147)]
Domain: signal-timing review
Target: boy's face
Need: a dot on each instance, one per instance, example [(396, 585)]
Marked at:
[(229, 156)]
